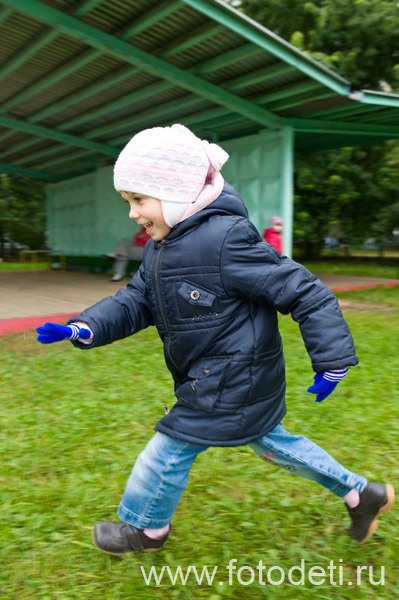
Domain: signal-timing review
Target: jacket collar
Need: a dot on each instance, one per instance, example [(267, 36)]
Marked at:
[(228, 203)]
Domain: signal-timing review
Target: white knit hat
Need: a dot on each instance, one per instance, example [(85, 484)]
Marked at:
[(171, 164)]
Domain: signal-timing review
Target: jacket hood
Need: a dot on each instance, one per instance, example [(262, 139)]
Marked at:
[(229, 203)]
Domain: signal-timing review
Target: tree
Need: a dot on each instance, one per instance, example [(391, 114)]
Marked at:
[(346, 191), (22, 211), (356, 38), (352, 189)]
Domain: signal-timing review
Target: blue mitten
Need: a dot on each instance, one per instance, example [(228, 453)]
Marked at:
[(51, 332), (325, 382)]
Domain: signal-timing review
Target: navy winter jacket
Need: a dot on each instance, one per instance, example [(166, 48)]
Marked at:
[(212, 288)]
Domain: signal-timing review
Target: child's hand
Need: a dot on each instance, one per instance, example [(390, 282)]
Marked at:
[(325, 382), (51, 332)]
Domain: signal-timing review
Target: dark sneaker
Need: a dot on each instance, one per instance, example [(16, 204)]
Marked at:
[(376, 499), (119, 538)]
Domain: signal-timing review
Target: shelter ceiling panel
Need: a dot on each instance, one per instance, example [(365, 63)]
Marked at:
[(129, 116), (20, 31), (390, 116), (41, 146), (80, 77), (166, 31), (9, 138), (88, 106), (113, 16), (135, 122)]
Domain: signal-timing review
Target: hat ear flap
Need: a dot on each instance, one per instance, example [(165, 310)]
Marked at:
[(172, 211)]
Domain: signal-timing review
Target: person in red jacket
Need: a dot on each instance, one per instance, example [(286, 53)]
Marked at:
[(127, 250), (272, 235)]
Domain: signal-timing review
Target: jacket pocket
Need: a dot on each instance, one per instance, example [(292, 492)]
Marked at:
[(204, 384), (195, 301)]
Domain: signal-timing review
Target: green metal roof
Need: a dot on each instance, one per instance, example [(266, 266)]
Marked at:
[(78, 79)]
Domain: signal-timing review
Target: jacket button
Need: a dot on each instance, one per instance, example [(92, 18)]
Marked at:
[(206, 371), (195, 295)]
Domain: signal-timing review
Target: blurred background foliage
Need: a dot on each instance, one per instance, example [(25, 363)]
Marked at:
[(350, 193), (356, 38), (22, 213)]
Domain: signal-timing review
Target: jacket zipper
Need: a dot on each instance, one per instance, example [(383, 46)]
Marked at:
[(157, 291)]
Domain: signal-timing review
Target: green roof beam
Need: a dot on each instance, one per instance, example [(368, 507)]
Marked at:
[(20, 58), (387, 116), (289, 92), (114, 105), (5, 11), (225, 59), (86, 7), (28, 172), (57, 136), (64, 158), (344, 127), (33, 157), (216, 121), (107, 43), (187, 120), (299, 100), (43, 39), (270, 42), (91, 90), (152, 89), (111, 79), (61, 157), (128, 32), (197, 36), (171, 106), (259, 76), (196, 117), (136, 96), (151, 17), (218, 114), (44, 82), (26, 143), (377, 98), (6, 135), (352, 109), (156, 88)]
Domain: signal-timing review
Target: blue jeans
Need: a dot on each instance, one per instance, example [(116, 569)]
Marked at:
[(161, 472)]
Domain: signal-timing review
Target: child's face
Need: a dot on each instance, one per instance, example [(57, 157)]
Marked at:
[(278, 227), (147, 212)]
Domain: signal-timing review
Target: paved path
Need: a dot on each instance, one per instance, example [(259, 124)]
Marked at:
[(28, 298)]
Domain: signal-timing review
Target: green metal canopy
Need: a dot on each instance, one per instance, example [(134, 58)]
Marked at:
[(78, 79)]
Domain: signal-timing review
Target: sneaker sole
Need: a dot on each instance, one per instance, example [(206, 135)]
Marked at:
[(383, 510), (93, 537)]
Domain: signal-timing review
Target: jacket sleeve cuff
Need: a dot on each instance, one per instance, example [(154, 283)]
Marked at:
[(343, 363), (86, 341)]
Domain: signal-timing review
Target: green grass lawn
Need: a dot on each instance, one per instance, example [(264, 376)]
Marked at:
[(72, 424), (23, 266), (386, 297), (355, 269)]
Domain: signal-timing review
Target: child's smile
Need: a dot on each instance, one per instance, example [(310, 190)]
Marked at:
[(147, 212)]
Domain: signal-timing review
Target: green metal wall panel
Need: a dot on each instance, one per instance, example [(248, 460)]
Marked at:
[(87, 217), (260, 167)]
